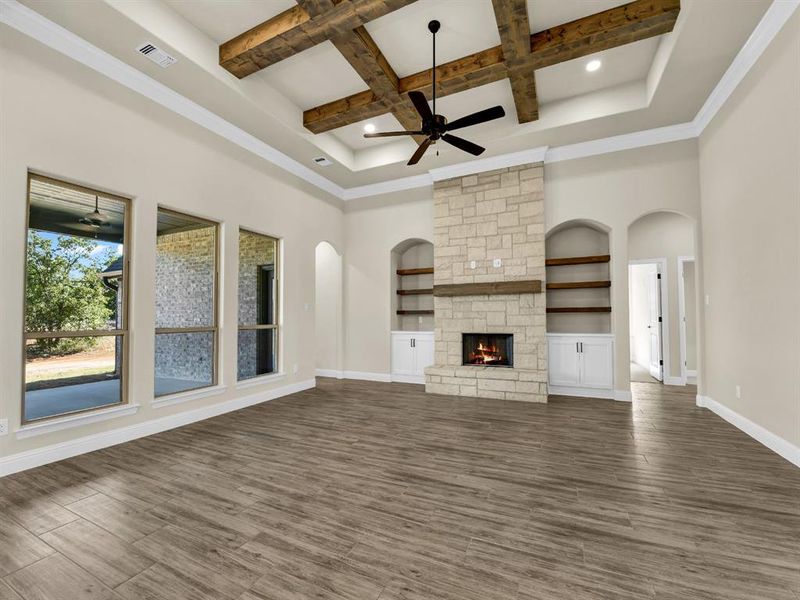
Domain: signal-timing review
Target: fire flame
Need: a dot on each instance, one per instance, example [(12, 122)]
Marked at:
[(485, 355)]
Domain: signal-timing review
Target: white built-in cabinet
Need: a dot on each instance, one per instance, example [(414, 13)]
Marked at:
[(412, 351), (581, 364)]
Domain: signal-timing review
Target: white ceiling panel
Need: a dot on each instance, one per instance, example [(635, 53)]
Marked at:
[(619, 65), (353, 135), (222, 20), (468, 26), (543, 14), (314, 76)]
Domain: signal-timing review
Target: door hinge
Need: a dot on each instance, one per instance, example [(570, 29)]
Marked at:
[(659, 319), (661, 363), (658, 276)]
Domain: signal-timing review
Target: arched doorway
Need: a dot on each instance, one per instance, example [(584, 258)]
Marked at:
[(661, 291)]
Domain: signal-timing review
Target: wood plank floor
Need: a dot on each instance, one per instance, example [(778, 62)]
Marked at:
[(366, 491)]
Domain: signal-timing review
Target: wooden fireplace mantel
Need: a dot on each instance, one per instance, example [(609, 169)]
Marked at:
[(492, 288)]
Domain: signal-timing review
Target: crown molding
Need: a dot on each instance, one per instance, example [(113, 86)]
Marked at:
[(38, 27), (779, 12), (31, 23)]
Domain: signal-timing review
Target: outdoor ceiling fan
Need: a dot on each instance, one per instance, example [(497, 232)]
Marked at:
[(435, 126), (95, 219)]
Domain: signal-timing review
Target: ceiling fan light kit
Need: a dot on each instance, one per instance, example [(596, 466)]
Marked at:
[(436, 127)]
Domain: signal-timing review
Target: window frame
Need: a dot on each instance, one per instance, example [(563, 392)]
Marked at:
[(124, 333), (214, 328), (276, 326)]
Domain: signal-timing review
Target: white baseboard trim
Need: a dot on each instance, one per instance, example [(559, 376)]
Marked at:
[(330, 373), (774, 442), (674, 381), (55, 452), (367, 376), (408, 379), (691, 377), (563, 390), (623, 396)]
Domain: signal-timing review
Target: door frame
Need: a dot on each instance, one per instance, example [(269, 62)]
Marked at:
[(682, 260), (661, 267)]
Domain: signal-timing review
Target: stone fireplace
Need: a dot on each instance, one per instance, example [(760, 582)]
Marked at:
[(489, 319)]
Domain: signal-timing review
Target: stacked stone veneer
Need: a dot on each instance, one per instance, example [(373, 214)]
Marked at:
[(498, 214)]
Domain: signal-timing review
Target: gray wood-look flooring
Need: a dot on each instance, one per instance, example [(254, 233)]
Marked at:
[(367, 491)]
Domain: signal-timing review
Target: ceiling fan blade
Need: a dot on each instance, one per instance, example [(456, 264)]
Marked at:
[(420, 151), (463, 144), (488, 114), (392, 134), (421, 104)]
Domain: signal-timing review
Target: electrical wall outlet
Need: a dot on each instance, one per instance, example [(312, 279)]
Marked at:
[(738, 391), (3, 426), (473, 264), (708, 300), (497, 263), (295, 368)]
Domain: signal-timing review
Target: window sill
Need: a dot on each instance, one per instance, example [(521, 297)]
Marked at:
[(77, 420), (181, 397), (261, 380)]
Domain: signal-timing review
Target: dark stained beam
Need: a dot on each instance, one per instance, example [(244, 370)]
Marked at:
[(515, 40), (618, 26), (297, 29)]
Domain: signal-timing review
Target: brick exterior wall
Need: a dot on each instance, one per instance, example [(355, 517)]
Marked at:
[(185, 298), (498, 214)]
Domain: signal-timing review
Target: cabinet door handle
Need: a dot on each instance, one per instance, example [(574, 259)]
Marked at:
[(581, 347), (413, 343), (577, 347)]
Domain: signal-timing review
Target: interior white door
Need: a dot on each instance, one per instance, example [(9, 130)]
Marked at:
[(654, 324), (596, 363), (423, 350), (402, 355), (563, 361)]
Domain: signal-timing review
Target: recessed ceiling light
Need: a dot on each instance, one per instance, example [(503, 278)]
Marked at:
[(369, 128), (593, 65)]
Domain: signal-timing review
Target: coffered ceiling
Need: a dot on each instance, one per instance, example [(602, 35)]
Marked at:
[(651, 82)]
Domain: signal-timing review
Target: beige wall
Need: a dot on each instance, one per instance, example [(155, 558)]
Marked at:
[(374, 226), (665, 235), (615, 190), (690, 306), (328, 307), (750, 181), (63, 120)]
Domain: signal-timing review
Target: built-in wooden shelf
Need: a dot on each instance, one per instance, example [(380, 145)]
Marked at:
[(415, 312), (579, 309), (491, 288), (418, 292), (421, 271), (577, 285), (577, 260)]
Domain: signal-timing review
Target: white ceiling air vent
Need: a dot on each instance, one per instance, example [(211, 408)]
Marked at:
[(322, 161), (157, 55)]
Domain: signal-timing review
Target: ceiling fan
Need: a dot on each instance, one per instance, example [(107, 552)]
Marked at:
[(436, 127)]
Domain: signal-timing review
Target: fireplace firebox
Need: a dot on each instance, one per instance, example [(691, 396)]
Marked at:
[(488, 349)]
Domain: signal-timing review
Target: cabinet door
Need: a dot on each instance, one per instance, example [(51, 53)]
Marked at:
[(423, 347), (597, 363), (402, 355), (563, 361)]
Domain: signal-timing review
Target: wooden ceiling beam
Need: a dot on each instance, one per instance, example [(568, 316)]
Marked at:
[(638, 20), (301, 27), (515, 39)]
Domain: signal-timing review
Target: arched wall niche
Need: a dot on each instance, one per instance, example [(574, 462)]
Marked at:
[(578, 238), (411, 295)]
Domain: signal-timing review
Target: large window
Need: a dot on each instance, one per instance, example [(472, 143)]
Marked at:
[(75, 299), (186, 303), (258, 305)]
